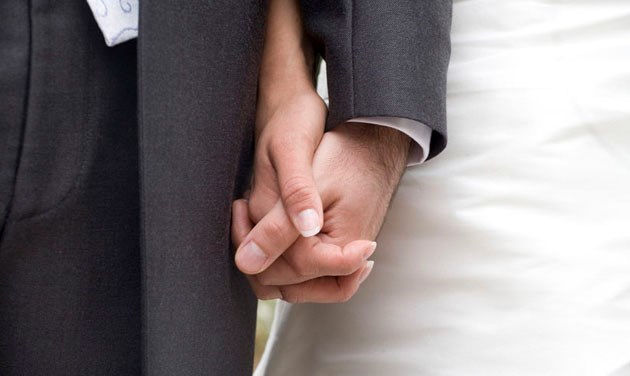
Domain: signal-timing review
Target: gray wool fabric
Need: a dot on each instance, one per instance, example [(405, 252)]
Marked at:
[(118, 167), (385, 58)]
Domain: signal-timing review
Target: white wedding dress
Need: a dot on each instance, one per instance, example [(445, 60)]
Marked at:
[(509, 254)]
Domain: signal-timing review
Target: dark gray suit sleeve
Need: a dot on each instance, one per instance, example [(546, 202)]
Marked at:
[(384, 58)]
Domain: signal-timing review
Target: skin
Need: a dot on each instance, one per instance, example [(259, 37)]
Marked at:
[(344, 178)]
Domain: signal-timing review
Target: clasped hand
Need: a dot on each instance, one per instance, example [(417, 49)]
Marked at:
[(317, 201)]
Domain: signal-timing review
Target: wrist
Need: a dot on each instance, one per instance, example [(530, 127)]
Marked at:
[(384, 150), (277, 86), (296, 104)]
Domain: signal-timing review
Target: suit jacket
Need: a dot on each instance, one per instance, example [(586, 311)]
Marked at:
[(115, 255)]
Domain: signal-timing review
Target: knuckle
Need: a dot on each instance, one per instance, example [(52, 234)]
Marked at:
[(294, 296), (346, 292), (346, 264), (267, 296), (296, 190), (302, 269), (345, 296), (264, 279), (269, 278), (260, 293), (275, 235), (264, 292), (304, 260), (274, 228), (259, 290)]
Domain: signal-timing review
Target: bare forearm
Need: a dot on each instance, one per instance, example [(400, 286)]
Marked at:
[(384, 150), (287, 58)]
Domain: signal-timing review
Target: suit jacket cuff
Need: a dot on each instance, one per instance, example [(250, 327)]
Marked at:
[(384, 59)]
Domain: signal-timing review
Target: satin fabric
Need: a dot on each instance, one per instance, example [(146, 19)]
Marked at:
[(510, 253)]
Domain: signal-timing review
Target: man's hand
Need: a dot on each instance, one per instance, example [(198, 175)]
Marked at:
[(357, 168)]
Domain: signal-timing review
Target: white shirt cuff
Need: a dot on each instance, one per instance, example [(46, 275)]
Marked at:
[(419, 133)]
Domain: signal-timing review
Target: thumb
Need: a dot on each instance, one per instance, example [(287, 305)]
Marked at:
[(292, 159)]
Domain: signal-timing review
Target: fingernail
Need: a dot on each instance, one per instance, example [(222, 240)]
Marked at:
[(252, 258), (366, 272), (308, 223), (369, 251)]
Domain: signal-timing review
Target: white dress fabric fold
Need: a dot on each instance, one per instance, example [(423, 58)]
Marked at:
[(509, 254)]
